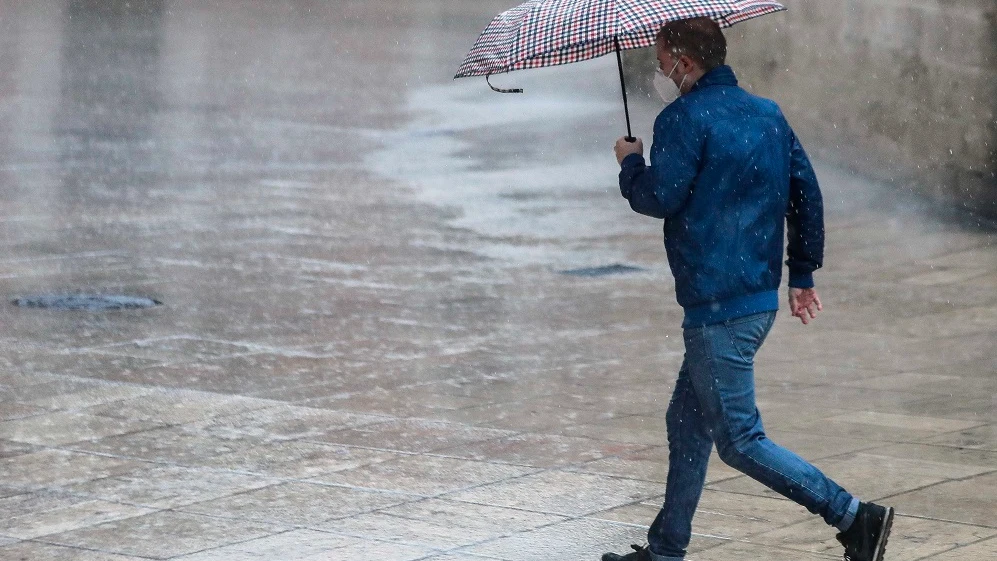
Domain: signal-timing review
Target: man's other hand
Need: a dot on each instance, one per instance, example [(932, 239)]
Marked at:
[(624, 148), (804, 303)]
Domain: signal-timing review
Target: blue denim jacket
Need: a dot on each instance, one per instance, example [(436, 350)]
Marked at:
[(727, 172)]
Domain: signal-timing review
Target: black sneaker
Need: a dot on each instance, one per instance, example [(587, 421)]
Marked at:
[(639, 554), (866, 539)]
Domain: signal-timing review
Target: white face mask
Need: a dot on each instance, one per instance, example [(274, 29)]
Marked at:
[(664, 85)]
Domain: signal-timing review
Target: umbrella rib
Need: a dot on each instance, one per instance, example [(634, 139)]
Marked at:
[(511, 59)]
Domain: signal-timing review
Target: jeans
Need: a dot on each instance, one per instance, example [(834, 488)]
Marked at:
[(714, 402)]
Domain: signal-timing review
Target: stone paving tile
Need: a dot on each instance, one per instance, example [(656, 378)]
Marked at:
[(950, 276), (650, 464), (10, 448), (163, 534), (559, 492), (627, 465), (782, 411), (214, 377), (457, 557), (970, 383), (170, 349), (980, 255), (508, 388), (984, 550), (65, 427), (310, 545), (979, 408), (970, 500), (89, 397), (11, 378), (811, 448), (933, 382), (978, 438), (880, 426), (70, 516), (296, 459), (36, 551), (173, 377), (911, 300), (620, 402), (412, 435), (885, 352), (53, 386), (165, 486), (273, 370), (62, 361), (285, 422), (853, 399), (283, 376), (173, 445), (424, 475), (969, 457), (440, 524), (634, 429), (720, 514), (11, 410), (11, 491), (422, 405), (295, 394), (972, 370), (893, 475), (924, 425), (911, 538), (32, 502), (298, 503), (179, 406), (738, 550), (774, 369), (532, 416), (539, 450), (572, 540), (56, 468), (50, 265)]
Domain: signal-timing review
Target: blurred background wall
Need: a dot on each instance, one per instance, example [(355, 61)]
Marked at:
[(905, 92)]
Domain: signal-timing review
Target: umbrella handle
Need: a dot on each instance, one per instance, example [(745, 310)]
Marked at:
[(623, 86), (501, 90)]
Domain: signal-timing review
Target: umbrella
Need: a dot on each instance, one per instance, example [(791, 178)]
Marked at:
[(540, 33)]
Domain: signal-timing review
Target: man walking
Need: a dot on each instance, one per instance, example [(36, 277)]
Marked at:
[(726, 174)]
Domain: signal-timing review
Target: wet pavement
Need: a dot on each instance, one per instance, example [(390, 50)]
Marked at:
[(368, 347)]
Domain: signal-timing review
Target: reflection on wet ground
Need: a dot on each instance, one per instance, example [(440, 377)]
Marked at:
[(366, 348)]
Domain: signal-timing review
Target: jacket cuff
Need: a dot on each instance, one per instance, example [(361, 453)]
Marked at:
[(632, 160), (801, 279)]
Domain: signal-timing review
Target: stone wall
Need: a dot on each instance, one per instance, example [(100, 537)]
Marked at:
[(901, 90)]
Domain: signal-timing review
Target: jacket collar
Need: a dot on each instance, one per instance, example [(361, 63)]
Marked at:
[(722, 75)]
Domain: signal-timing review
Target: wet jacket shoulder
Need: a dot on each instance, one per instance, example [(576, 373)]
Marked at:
[(728, 175)]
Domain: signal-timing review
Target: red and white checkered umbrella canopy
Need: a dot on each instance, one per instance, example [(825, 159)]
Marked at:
[(541, 33)]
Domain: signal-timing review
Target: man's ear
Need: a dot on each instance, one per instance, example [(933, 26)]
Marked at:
[(687, 64)]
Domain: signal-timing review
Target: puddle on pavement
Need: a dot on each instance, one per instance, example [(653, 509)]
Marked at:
[(85, 302), (531, 197), (604, 271)]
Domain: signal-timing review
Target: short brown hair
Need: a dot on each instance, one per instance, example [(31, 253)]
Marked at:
[(698, 38)]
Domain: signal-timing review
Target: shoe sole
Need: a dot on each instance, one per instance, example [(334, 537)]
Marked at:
[(884, 535)]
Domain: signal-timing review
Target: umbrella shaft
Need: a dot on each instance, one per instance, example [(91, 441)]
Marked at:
[(623, 86)]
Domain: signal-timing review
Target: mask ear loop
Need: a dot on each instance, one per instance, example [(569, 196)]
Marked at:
[(672, 71), (501, 90)]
